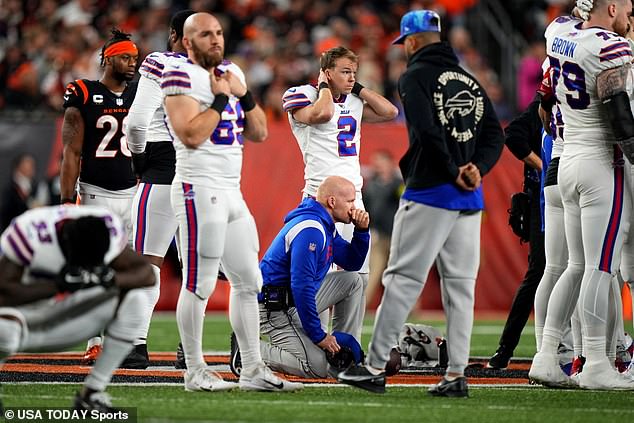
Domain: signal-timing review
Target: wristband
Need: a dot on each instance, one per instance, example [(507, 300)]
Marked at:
[(356, 89), (67, 200), (247, 102), (323, 85), (220, 102)]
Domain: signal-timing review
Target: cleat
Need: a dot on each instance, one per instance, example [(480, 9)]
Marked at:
[(545, 370), (361, 377), (601, 375), (137, 359), (500, 359), (90, 356), (95, 401), (455, 388), (180, 362), (235, 360), (205, 379), (262, 379)]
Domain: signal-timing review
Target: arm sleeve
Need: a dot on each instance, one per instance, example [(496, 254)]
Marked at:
[(522, 131), (421, 119), (305, 251), (351, 255), (148, 99), (489, 142)]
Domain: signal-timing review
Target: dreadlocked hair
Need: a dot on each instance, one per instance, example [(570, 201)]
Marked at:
[(117, 36)]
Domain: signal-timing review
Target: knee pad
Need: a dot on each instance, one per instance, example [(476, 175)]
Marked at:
[(211, 243), (246, 279), (13, 330)]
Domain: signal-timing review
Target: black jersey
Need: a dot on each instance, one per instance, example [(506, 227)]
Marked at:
[(105, 158)]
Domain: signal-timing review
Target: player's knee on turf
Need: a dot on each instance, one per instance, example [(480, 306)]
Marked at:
[(317, 365), (13, 329)]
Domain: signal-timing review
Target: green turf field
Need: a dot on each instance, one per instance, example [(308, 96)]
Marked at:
[(340, 404)]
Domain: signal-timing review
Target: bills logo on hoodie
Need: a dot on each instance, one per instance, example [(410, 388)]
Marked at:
[(460, 104)]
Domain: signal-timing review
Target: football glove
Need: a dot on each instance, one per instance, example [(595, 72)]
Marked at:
[(74, 278)]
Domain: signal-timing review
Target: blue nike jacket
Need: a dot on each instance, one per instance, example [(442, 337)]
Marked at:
[(301, 255)]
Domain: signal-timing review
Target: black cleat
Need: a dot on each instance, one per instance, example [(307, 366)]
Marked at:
[(500, 359), (99, 401), (235, 361), (361, 377), (137, 359), (455, 388), (180, 358)]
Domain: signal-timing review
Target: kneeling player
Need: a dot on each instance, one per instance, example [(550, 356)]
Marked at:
[(79, 250)]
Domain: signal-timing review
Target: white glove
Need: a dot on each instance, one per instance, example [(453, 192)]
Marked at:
[(584, 7)]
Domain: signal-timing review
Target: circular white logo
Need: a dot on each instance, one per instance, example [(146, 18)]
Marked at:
[(460, 104)]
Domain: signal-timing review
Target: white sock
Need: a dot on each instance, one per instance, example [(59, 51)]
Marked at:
[(244, 314), (190, 314), (550, 341), (594, 349), (114, 351), (152, 293)]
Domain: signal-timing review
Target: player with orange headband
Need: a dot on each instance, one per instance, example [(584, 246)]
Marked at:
[(96, 161)]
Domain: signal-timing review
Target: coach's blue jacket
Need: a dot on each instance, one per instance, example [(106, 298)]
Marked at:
[(301, 254)]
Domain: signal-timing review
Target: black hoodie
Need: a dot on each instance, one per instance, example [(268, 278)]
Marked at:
[(450, 119)]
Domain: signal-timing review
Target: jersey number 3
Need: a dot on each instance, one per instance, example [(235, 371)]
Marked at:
[(113, 124)]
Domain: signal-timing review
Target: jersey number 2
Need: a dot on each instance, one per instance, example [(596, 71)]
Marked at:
[(345, 137), (113, 123)]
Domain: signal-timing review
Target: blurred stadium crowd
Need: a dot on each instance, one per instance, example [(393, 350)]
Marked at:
[(44, 44)]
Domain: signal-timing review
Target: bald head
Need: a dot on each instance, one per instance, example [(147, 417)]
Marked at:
[(197, 22), (203, 39), (334, 186), (337, 195)]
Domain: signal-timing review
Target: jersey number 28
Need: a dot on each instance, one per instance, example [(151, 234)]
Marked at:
[(113, 124)]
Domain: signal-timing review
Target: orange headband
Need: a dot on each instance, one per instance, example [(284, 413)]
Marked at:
[(121, 47)]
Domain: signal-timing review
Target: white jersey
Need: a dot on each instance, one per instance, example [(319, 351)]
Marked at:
[(147, 110), (216, 163), (330, 148), (31, 239), (577, 56)]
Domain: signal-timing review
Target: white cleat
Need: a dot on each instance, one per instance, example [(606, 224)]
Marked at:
[(545, 370), (262, 379), (205, 379), (602, 375)]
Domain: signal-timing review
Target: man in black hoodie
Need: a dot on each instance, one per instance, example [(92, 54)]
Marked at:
[(454, 139)]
